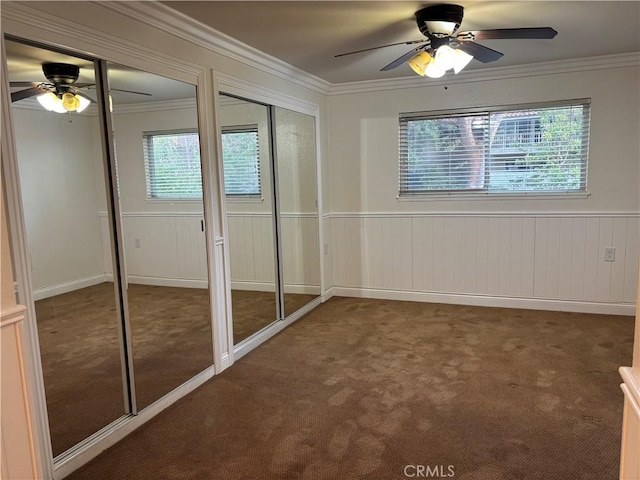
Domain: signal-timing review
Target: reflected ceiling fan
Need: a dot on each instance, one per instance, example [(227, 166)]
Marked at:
[(61, 92), (445, 48)]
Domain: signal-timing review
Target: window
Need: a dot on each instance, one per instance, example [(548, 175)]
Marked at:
[(172, 165), (240, 154), (173, 170), (538, 149)]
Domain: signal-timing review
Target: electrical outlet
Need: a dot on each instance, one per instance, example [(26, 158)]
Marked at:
[(136, 242), (609, 254)]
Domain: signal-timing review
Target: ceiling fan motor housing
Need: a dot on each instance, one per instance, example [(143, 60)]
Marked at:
[(448, 13), (61, 73)]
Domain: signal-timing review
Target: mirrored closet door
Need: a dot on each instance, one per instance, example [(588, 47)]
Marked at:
[(65, 207), (159, 178), (295, 138), (246, 155), (269, 162), (112, 194)]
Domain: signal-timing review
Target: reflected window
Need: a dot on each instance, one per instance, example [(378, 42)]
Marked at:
[(173, 171), (172, 165), (240, 155)]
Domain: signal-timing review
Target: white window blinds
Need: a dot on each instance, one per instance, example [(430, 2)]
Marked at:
[(172, 165), (542, 148), (240, 154), (173, 170)]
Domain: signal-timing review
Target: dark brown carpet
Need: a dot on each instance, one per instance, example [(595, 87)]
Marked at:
[(252, 311), (361, 389), (171, 339)]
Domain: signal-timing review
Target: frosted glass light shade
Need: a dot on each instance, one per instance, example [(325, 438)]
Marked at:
[(441, 27), (420, 62), (68, 103), (461, 60), (84, 103), (51, 102), (433, 70)]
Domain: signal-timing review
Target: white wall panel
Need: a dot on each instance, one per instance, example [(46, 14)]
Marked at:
[(173, 248), (591, 258), (631, 259), (605, 239), (578, 258), (550, 257)]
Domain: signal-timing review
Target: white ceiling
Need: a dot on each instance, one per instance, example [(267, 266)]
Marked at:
[(309, 34)]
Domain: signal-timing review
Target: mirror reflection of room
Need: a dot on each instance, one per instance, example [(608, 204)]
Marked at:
[(110, 346), (249, 196), (297, 189), (162, 215), (248, 170), (64, 201)]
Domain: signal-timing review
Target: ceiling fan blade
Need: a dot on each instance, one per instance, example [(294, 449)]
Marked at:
[(24, 84), (480, 52), (399, 61), (541, 33), (83, 85), (29, 92), (130, 91), (121, 90), (410, 42)]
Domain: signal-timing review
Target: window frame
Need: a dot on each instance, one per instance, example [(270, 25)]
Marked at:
[(461, 194)]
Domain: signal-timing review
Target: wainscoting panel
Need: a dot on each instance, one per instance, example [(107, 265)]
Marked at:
[(534, 256), (172, 250), (251, 248)]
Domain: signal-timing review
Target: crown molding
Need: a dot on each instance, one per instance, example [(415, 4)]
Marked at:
[(182, 26), (604, 62)]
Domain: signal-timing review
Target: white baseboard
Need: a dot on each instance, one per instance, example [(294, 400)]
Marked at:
[(489, 301), (66, 287), (168, 282), (270, 287), (253, 286)]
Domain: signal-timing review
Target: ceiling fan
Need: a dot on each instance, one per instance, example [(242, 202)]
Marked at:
[(445, 48), (61, 92)]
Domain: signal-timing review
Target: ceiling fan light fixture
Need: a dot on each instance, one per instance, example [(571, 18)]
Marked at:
[(51, 102), (67, 103), (420, 62)]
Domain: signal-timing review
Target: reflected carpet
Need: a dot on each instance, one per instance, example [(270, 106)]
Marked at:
[(171, 338)]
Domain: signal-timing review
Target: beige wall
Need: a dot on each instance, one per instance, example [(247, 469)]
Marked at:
[(363, 128)]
